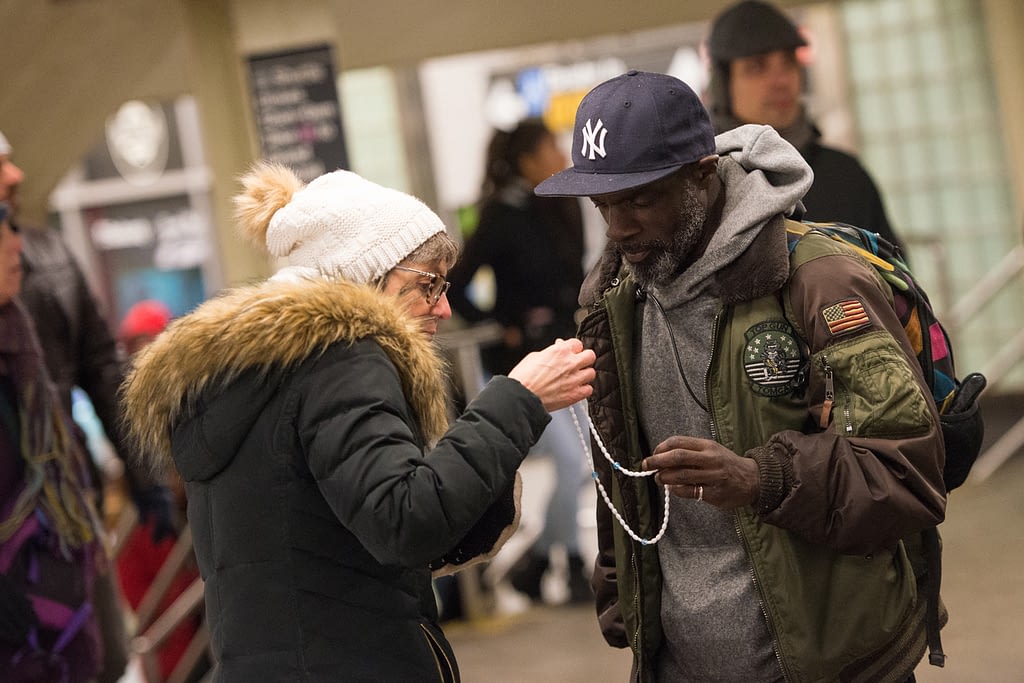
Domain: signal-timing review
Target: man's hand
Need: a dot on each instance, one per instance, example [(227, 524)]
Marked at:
[(706, 470)]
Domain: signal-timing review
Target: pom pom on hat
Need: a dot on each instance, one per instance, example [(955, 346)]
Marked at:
[(339, 225), (266, 188)]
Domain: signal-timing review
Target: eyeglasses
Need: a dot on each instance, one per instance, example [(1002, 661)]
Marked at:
[(433, 290)]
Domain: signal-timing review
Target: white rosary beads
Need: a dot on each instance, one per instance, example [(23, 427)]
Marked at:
[(620, 468)]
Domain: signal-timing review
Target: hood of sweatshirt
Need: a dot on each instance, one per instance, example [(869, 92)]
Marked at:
[(763, 176)]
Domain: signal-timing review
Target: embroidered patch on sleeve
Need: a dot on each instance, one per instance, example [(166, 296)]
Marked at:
[(846, 316)]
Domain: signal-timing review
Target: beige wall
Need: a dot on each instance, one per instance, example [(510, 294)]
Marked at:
[(1005, 21), (69, 64)]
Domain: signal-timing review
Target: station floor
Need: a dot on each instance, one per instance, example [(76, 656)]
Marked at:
[(983, 588)]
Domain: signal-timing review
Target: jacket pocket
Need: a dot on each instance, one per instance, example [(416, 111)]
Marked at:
[(876, 393), (828, 609)]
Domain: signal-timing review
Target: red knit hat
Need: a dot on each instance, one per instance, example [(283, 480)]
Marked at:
[(146, 318)]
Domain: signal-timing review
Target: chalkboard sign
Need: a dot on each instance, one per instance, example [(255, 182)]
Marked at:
[(295, 98)]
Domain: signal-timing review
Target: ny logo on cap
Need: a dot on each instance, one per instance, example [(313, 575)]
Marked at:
[(592, 141)]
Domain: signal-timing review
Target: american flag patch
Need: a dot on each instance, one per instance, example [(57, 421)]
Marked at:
[(846, 316)]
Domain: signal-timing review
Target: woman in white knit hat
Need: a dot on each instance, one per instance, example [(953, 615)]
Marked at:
[(307, 417)]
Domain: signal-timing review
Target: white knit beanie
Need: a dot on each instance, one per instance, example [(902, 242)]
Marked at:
[(344, 225)]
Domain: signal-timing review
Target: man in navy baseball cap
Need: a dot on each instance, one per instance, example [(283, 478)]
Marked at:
[(645, 133), (630, 131), (703, 380)]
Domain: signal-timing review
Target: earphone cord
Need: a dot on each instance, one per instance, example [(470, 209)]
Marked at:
[(675, 350)]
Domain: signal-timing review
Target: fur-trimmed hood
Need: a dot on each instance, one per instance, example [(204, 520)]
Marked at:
[(271, 327)]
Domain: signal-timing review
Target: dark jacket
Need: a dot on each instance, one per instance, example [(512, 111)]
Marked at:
[(843, 191), (534, 245), (51, 550), (303, 419), (77, 344)]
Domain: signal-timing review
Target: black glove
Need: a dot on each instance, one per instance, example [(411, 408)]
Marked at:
[(967, 393), (963, 431), (16, 613), (155, 504)]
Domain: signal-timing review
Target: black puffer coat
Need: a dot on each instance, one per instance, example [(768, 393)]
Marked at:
[(299, 416)]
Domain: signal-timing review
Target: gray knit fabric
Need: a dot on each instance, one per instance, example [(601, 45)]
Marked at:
[(713, 624)]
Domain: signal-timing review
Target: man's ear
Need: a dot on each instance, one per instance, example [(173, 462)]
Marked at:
[(707, 167)]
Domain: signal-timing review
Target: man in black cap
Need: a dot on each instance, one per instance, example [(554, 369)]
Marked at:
[(756, 77), (775, 399)]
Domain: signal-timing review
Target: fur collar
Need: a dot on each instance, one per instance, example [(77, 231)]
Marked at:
[(761, 269), (269, 327)]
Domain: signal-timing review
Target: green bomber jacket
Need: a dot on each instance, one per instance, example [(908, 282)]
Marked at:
[(831, 540)]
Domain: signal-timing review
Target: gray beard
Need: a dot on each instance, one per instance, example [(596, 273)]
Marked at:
[(665, 265)]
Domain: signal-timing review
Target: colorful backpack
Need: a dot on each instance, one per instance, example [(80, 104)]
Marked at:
[(956, 400)]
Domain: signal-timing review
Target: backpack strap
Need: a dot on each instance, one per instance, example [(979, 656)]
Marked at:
[(933, 561), (863, 243)]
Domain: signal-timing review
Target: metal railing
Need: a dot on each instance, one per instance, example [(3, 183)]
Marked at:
[(1009, 270), (152, 628)]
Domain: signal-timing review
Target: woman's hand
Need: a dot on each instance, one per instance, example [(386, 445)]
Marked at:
[(560, 375)]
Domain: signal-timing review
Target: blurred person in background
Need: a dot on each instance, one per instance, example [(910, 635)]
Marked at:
[(307, 416), (141, 324), (80, 351), (757, 77), (142, 558), (51, 536), (77, 342), (534, 246)]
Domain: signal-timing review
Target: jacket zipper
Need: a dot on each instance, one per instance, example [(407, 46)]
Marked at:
[(830, 395), (736, 518), (760, 599), (707, 375), (636, 610)]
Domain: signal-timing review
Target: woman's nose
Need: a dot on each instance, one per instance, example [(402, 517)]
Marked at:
[(442, 309)]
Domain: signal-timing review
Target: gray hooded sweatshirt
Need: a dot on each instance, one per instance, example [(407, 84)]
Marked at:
[(713, 625)]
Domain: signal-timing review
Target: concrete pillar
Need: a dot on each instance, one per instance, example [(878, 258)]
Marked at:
[(1005, 24), (218, 81)]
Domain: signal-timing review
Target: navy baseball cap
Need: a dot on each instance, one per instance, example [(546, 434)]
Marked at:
[(630, 131)]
